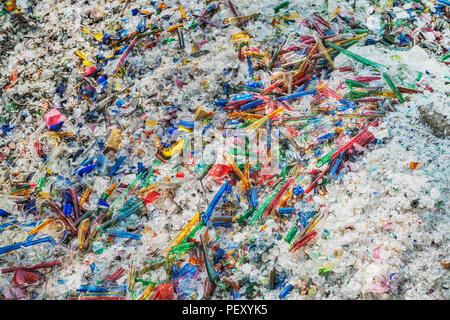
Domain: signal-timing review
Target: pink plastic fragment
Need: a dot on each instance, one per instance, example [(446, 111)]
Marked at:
[(89, 71), (380, 286), (202, 43), (387, 226), (15, 293), (376, 253)]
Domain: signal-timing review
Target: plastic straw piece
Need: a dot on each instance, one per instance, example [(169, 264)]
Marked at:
[(182, 234), (393, 87), (354, 56)]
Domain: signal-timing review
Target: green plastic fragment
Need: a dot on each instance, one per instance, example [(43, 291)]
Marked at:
[(354, 56), (361, 94), (9, 107), (145, 282), (357, 31), (419, 76), (99, 251), (168, 40), (191, 234), (257, 166), (223, 286), (274, 58), (324, 159), (25, 186), (291, 233), (280, 6), (284, 173), (240, 152), (242, 88), (158, 264), (181, 248), (263, 207), (40, 184), (358, 84), (246, 214), (147, 179), (325, 270)]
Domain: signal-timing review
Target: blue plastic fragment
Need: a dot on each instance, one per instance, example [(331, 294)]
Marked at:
[(4, 213), (87, 170), (286, 210), (297, 95), (286, 291), (207, 215), (298, 190), (116, 166)]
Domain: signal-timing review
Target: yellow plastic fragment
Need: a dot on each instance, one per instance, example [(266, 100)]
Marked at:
[(98, 37), (82, 229), (307, 58), (244, 35), (172, 28), (246, 116), (81, 54), (114, 141), (150, 124), (183, 14), (184, 129), (147, 189), (40, 227), (288, 16), (174, 149), (147, 291), (263, 121), (334, 14), (255, 54), (237, 171), (44, 195), (325, 53), (131, 276)]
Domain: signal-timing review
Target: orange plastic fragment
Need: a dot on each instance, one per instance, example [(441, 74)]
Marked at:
[(413, 165)]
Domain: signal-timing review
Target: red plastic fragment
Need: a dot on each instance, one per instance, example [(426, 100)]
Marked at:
[(219, 170), (152, 196)]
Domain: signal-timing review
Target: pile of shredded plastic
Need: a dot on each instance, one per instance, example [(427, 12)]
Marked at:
[(224, 149)]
